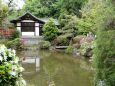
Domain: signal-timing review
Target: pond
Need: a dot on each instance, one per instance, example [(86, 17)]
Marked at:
[(48, 68)]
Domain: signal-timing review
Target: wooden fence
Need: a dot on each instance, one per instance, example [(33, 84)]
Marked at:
[(6, 32)]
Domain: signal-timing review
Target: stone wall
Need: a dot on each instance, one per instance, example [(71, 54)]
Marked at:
[(30, 41)]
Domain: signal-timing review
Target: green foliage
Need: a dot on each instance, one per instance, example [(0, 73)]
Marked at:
[(36, 8), (60, 41), (104, 52), (50, 30), (10, 70), (68, 24), (90, 12), (3, 12), (4, 41), (69, 49), (52, 8), (15, 44), (86, 48), (44, 44), (15, 35)]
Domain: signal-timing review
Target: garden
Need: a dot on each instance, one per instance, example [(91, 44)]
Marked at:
[(86, 30)]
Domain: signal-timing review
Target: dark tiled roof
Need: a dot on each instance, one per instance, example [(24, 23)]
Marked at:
[(46, 20), (43, 20)]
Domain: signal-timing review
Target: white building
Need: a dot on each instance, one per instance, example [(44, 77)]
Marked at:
[(30, 25)]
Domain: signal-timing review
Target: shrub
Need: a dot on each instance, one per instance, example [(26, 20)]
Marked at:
[(4, 41), (16, 43), (86, 48), (44, 44), (86, 39), (69, 49), (77, 39), (15, 35), (81, 40), (50, 30), (76, 45), (10, 70), (60, 41)]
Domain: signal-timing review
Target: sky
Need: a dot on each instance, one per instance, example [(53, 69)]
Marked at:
[(19, 3)]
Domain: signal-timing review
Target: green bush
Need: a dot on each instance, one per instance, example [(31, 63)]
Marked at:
[(4, 41), (86, 48), (50, 30), (44, 44), (10, 70), (69, 49), (60, 41), (15, 35), (10, 44), (16, 44)]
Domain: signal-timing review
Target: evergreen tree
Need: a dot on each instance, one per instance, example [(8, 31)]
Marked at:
[(50, 30)]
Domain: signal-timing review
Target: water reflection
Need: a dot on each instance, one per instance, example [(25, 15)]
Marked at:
[(50, 68)]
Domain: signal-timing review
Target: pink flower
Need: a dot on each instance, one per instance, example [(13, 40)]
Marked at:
[(23, 45), (22, 40)]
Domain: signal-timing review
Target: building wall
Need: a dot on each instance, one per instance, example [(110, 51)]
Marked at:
[(19, 26), (30, 41), (37, 29), (36, 33)]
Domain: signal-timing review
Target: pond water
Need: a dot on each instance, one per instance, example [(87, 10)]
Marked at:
[(48, 68)]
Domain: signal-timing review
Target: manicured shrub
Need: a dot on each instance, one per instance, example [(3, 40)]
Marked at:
[(15, 35), (16, 43), (81, 40), (44, 44), (60, 41), (50, 30), (77, 39), (10, 70)]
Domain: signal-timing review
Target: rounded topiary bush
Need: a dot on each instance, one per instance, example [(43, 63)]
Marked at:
[(44, 44), (10, 70)]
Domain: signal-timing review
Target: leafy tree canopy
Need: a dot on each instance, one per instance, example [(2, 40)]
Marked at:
[(3, 12), (52, 8)]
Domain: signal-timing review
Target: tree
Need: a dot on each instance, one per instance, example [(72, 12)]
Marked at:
[(72, 6), (90, 12), (50, 30), (104, 52), (36, 8), (3, 13), (52, 8), (68, 24)]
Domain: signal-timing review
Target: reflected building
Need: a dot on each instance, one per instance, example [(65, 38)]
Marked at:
[(30, 61)]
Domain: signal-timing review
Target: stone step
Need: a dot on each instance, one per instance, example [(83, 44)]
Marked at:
[(30, 41)]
